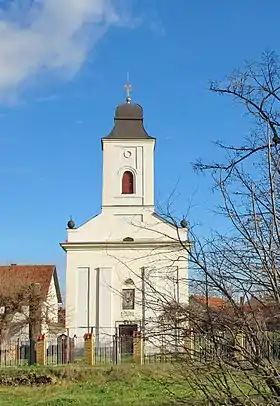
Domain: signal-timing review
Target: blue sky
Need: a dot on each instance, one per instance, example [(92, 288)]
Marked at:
[(63, 65)]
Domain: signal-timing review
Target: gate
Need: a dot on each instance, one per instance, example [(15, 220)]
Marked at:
[(61, 350)]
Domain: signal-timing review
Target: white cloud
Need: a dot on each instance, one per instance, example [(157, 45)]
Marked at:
[(43, 35)]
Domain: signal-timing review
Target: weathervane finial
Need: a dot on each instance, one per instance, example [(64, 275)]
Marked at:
[(128, 89)]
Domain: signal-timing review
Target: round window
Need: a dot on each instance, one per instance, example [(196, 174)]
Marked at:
[(127, 154)]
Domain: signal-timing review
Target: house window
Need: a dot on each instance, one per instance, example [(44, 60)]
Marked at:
[(128, 299), (127, 183)]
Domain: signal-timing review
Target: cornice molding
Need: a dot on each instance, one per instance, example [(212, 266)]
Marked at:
[(85, 246)]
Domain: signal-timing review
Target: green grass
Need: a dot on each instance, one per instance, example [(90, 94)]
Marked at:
[(126, 385)]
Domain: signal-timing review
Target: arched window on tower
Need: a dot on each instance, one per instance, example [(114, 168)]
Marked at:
[(127, 183)]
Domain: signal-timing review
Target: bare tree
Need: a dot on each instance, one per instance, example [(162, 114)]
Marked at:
[(230, 352), (242, 267), (226, 341)]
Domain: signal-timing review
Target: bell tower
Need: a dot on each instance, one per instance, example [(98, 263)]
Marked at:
[(128, 162)]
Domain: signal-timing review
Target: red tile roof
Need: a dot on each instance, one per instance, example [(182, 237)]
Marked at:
[(214, 302), (15, 277)]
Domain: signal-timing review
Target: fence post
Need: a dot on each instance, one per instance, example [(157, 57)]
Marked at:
[(41, 350), (162, 350), (240, 346), (18, 351), (12, 353), (189, 344), (137, 347), (115, 349), (89, 348), (68, 351), (72, 350)]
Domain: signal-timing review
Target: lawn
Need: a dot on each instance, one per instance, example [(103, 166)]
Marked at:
[(127, 385)]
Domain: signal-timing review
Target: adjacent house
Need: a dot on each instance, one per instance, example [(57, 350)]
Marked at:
[(30, 301)]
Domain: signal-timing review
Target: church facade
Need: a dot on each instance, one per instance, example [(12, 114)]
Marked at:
[(126, 265)]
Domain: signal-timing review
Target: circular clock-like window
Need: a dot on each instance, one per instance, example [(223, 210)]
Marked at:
[(127, 154)]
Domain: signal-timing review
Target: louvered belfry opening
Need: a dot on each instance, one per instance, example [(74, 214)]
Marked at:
[(127, 183)]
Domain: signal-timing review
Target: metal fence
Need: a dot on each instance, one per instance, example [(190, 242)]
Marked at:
[(60, 350), (14, 352), (206, 348), (116, 349), (66, 350)]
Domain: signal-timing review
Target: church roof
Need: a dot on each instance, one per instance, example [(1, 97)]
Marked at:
[(128, 122)]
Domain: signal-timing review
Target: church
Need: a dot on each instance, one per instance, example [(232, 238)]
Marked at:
[(126, 265)]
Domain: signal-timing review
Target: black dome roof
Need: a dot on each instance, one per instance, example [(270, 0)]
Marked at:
[(129, 111), (128, 122)]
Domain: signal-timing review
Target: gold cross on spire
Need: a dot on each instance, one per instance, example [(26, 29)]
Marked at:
[(128, 89)]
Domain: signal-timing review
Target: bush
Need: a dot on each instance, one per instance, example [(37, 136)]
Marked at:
[(38, 375), (27, 378)]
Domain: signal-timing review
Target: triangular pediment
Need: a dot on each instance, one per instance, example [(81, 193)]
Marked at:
[(107, 227)]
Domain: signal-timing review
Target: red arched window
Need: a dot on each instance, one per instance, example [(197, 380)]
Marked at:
[(127, 183)]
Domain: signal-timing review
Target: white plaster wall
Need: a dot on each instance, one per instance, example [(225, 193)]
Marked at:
[(140, 163), (50, 309), (52, 303), (116, 266), (79, 304), (19, 328), (113, 225)]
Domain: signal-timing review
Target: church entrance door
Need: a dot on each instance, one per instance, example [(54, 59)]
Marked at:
[(126, 332)]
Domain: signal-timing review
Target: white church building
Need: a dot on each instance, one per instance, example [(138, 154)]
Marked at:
[(126, 265)]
